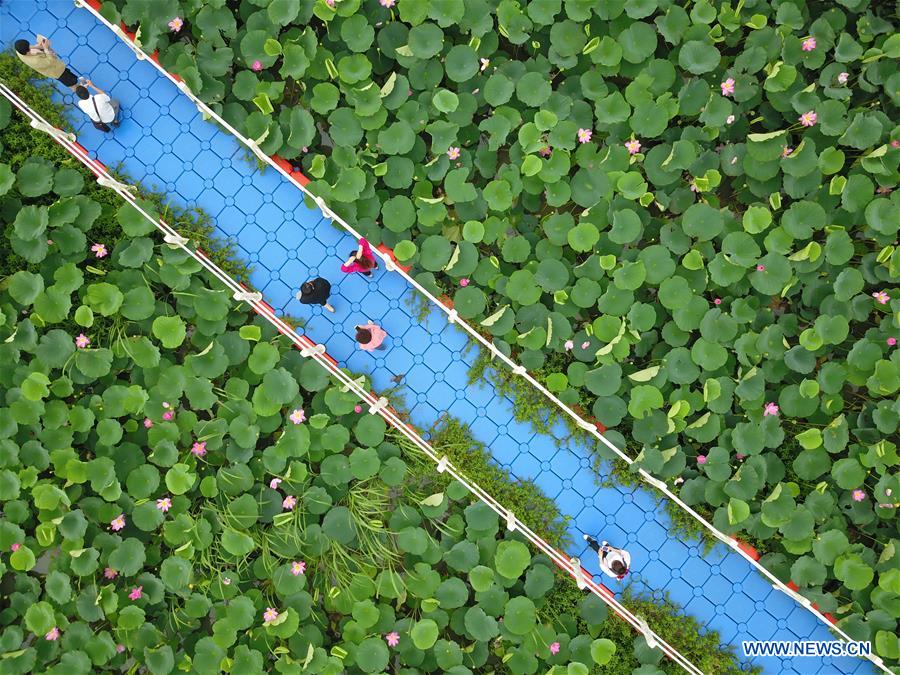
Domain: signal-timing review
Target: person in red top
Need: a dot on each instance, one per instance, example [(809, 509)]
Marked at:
[(361, 260), (370, 337)]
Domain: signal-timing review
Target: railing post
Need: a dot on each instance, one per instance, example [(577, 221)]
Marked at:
[(40, 125)]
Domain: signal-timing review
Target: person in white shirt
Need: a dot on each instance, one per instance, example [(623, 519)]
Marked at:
[(614, 562), (102, 110)]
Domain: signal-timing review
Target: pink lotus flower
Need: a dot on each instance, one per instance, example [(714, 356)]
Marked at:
[(892, 341), (289, 502), (808, 44), (760, 268), (15, 547), (585, 344), (298, 416), (270, 615), (298, 568), (164, 504), (568, 345), (168, 415), (198, 449), (176, 24), (52, 634), (740, 456), (727, 87), (165, 404), (770, 409), (554, 648), (464, 282), (387, 3), (584, 135), (808, 119), (99, 250), (393, 638), (484, 64), (136, 593), (117, 523), (545, 151), (858, 495), (843, 77), (453, 152), (257, 65), (895, 143), (701, 459), (882, 297), (274, 483), (633, 146), (357, 408), (148, 423), (330, 3), (120, 648), (786, 151), (729, 119), (82, 341), (717, 301), (110, 573)]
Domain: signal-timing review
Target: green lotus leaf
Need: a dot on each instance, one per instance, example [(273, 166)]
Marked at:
[(538, 581), (68, 182), (424, 633), (39, 618), (520, 615), (105, 299), (372, 655), (479, 625), (31, 223), (698, 57), (626, 226), (583, 236), (93, 363), (180, 479), (35, 178), (445, 100), (425, 40), (829, 545), (396, 139), (848, 473), (498, 195), (853, 571), (602, 651), (511, 559)]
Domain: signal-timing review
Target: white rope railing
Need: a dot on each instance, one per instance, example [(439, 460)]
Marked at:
[(377, 405), (452, 318)]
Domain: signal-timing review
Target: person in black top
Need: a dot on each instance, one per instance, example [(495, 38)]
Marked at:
[(315, 292)]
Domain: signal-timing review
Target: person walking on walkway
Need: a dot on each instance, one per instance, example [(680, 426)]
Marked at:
[(614, 561), (361, 260), (102, 110), (370, 337), (315, 292), (42, 59)]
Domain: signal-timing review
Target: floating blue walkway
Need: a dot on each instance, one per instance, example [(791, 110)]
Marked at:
[(163, 141)]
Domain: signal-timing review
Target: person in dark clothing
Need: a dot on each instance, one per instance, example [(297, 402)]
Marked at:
[(315, 292)]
